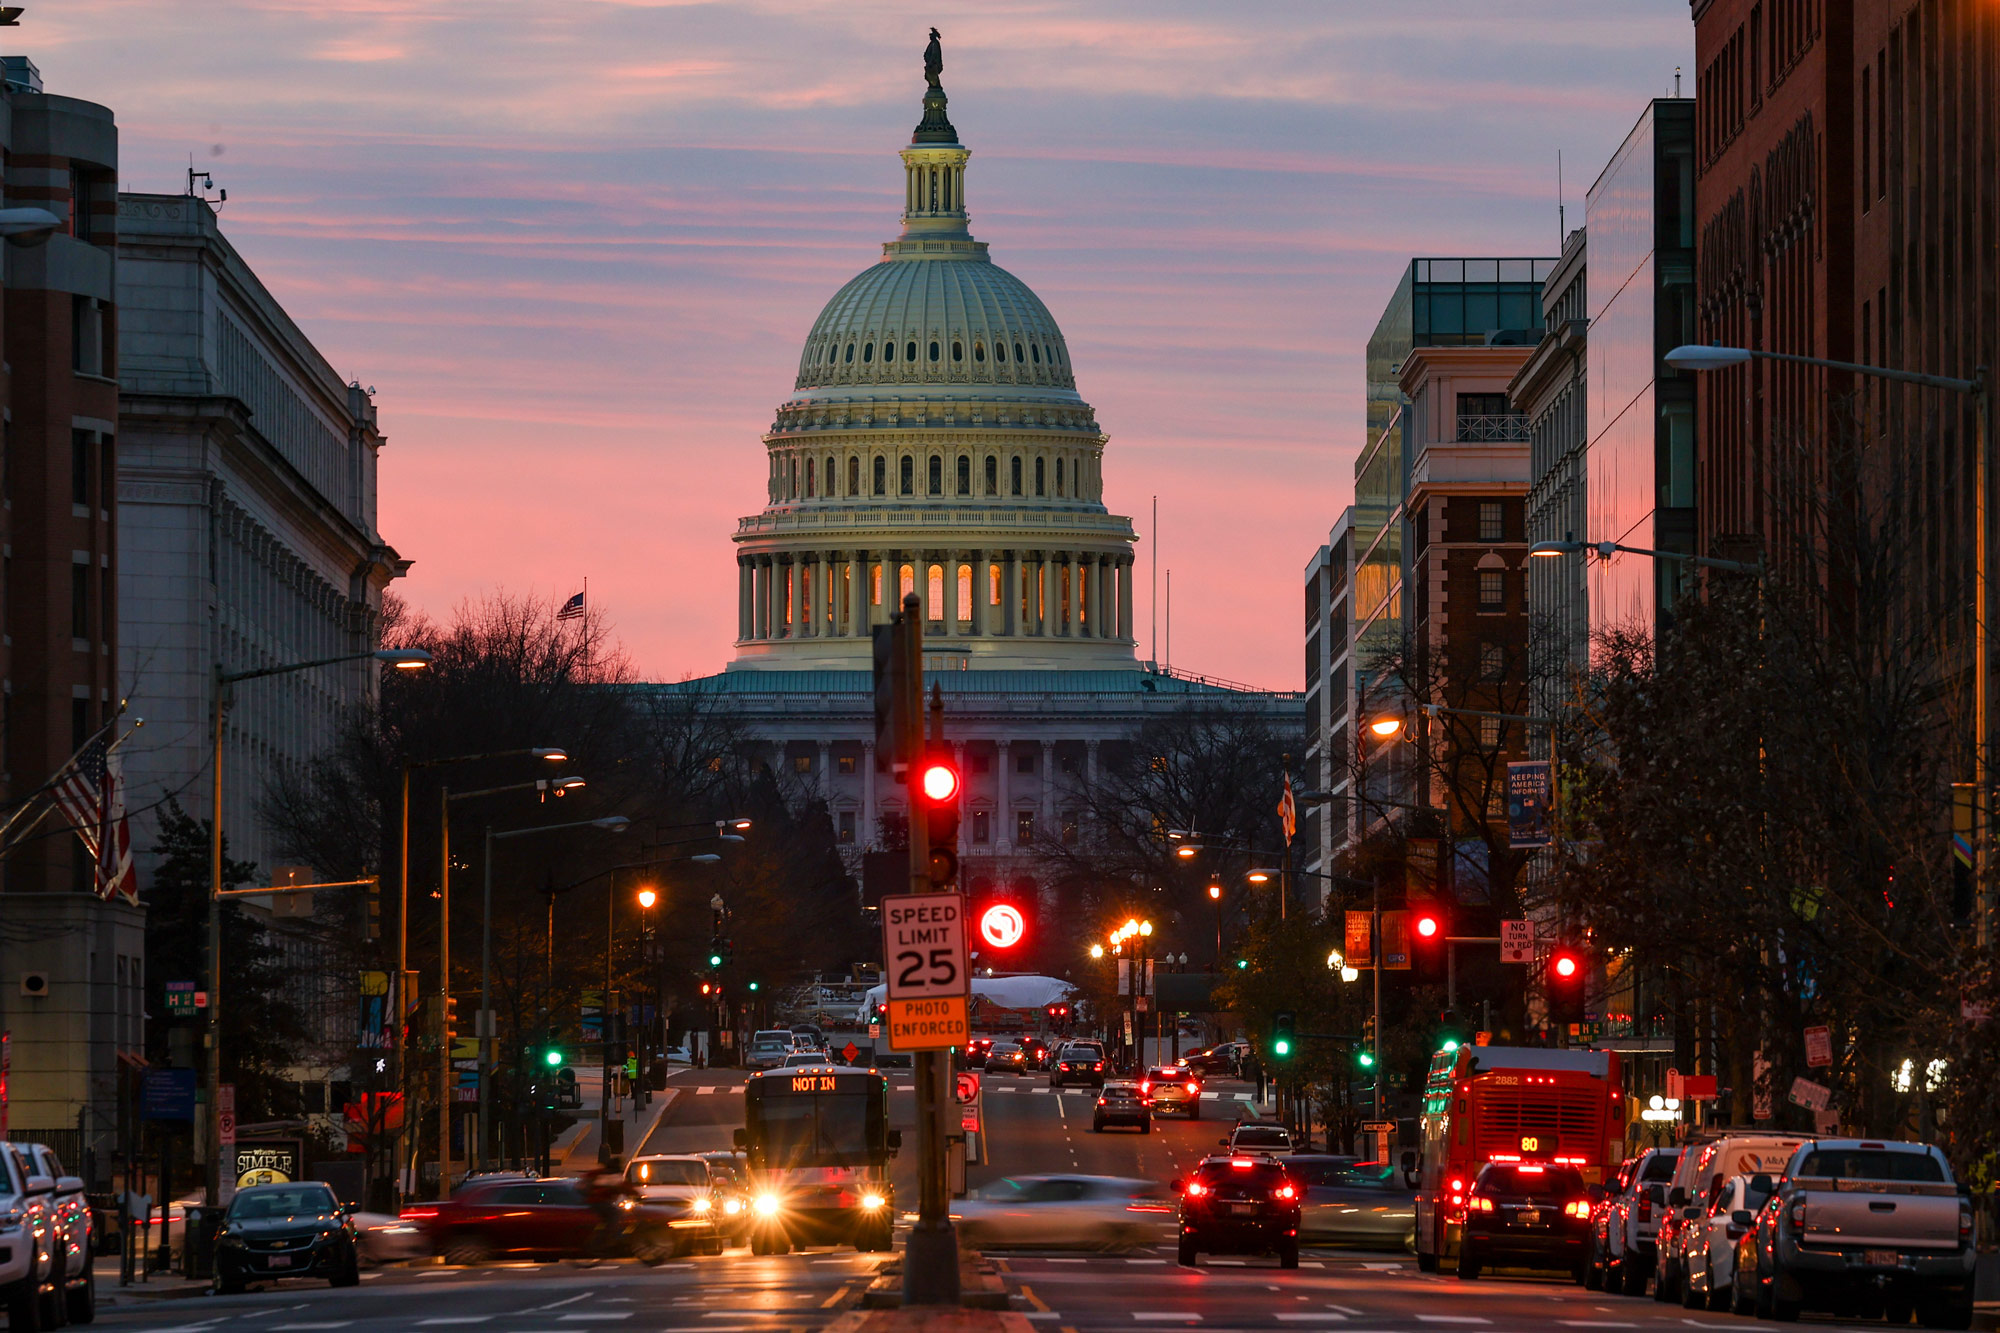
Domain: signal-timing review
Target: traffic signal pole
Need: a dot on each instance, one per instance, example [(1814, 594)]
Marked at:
[(930, 1255)]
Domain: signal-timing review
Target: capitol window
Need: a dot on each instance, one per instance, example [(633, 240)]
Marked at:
[(832, 477), (936, 474), (867, 353), (1017, 353), (957, 350), (1041, 476), (979, 352), (934, 349), (850, 354), (854, 476), (1017, 474), (888, 352), (1038, 354), (1024, 827), (809, 477), (965, 474), (909, 477), (982, 826), (992, 475), (1059, 476), (1000, 352), (881, 475), (910, 352)]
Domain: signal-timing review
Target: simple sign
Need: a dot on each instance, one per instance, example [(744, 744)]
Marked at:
[(929, 1025), (1813, 1096), (1819, 1048), (1517, 941), (1001, 925), (923, 941)]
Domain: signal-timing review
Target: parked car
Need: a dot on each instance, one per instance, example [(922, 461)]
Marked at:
[(767, 1049), (1525, 1214), (1711, 1246), (1351, 1202), (1079, 1062), (1239, 1204), (1868, 1227), (1626, 1222), (30, 1264), (808, 1034), (1679, 1204), (292, 1230), (1098, 1212), (1259, 1136), (679, 1192), (1122, 1103), (1173, 1088), (797, 1059), (75, 1232)]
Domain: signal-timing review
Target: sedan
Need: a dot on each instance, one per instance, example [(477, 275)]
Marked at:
[(385, 1238), (1711, 1270), (1351, 1202), (1099, 1212), (293, 1230), (1122, 1103), (1006, 1057)]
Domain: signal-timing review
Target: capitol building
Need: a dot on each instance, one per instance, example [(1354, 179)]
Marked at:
[(935, 442)]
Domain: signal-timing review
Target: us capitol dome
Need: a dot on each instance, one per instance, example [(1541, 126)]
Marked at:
[(935, 442)]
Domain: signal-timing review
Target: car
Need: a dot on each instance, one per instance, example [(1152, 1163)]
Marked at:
[(1749, 1279), (1122, 1102), (385, 1238), (973, 1056), (1679, 1203), (75, 1232), (1173, 1088), (297, 1229), (767, 1049), (1078, 1062), (1239, 1204), (678, 1191), (1626, 1223), (1258, 1136), (730, 1170), (1099, 1212), (1036, 1051), (808, 1034), (1525, 1214), (484, 1219), (1006, 1057), (1216, 1061), (30, 1265), (1711, 1249), (1351, 1202), (797, 1059)]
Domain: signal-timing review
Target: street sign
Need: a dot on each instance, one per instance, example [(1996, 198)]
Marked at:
[(923, 941), (1676, 1085), (1813, 1096), (201, 999), (166, 1094), (929, 1025), (966, 1087), (1760, 1084), (1819, 1048), (1378, 1127), (1698, 1088), (225, 1114), (849, 1051), (1517, 941), (180, 999)]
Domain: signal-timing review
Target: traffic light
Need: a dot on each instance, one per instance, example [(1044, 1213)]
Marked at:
[(940, 791), (1284, 1035), (567, 1096), (450, 1018), (1242, 963), (552, 1057), (1365, 1058), (1451, 1031), (715, 943), (1428, 924), (753, 985), (374, 907), (1567, 971)]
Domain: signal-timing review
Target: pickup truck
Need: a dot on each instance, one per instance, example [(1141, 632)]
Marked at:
[(1867, 1227)]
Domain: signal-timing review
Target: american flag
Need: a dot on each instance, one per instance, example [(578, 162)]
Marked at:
[(90, 792), (572, 609)]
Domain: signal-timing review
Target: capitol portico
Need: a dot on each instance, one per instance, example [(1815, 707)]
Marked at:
[(934, 442)]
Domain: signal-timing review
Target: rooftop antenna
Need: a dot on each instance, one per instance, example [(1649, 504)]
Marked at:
[(1562, 222), (1677, 80), (1153, 609), (207, 184)]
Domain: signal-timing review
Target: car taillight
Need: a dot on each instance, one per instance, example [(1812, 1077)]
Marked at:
[(1098, 1065), (1964, 1225), (1145, 1088), (1577, 1208), (1195, 1189), (1645, 1210), (1799, 1209), (1482, 1204), (418, 1214), (1193, 1087), (1100, 1101), (1287, 1192)]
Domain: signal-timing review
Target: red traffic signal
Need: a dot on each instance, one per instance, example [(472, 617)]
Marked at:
[(939, 781), (938, 789), (1565, 965), (1427, 926)]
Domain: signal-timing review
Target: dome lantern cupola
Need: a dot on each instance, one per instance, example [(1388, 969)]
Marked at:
[(934, 164)]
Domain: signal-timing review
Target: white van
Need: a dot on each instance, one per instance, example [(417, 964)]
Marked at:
[(1702, 1171)]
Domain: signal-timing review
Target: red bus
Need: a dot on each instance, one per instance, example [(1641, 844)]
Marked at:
[(1510, 1104)]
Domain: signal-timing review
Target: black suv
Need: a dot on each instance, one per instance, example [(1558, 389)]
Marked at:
[(294, 1230), (1240, 1205), (1526, 1214), (1079, 1062)]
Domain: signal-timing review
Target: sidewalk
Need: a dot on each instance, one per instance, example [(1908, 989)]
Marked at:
[(157, 1286)]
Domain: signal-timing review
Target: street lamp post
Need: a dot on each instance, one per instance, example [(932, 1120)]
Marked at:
[(403, 659), (1699, 358)]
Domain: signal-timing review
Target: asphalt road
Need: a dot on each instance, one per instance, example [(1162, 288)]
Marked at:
[(1031, 1130)]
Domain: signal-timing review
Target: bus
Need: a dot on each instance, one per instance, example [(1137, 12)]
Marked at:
[(818, 1143), (1510, 1104)]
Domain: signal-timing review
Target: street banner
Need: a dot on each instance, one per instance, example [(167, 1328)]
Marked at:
[(1124, 976), (1529, 792), (1760, 1087), (1355, 946), (374, 1031), (1396, 940), (1819, 1048), (1813, 1096), (1517, 941), (1676, 1091)]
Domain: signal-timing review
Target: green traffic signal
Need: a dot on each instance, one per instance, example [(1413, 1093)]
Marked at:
[(1281, 1047), (753, 985), (1242, 963), (552, 1057), (1366, 1059), (715, 960), (1450, 1045)]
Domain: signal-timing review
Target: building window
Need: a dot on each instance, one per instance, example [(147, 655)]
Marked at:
[(965, 474), (854, 476), (1489, 733), (812, 477), (1024, 762), (910, 352), (889, 351), (1041, 476), (1490, 527), (1069, 763), (87, 336), (1069, 826), (1492, 590), (982, 826), (937, 475), (909, 477), (957, 350), (934, 350), (1017, 474), (881, 475), (844, 764), (79, 601), (79, 723), (79, 204), (1492, 662), (992, 475), (1024, 827), (846, 827), (79, 467), (802, 763), (982, 763)]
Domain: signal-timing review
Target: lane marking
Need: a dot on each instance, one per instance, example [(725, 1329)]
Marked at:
[(1321, 1318), (453, 1319), (1028, 1295), (330, 1323), (1451, 1319), (1607, 1323), (1344, 1309), (1069, 1261), (834, 1299), (596, 1318), (1187, 1315), (567, 1300), (1145, 1261)]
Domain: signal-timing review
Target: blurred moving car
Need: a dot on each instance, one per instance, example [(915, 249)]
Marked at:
[(486, 1218), (1122, 1103), (679, 1192), (1006, 1057), (1173, 1088), (1100, 1212), (1526, 1214), (385, 1238), (1079, 1062), (767, 1049), (292, 1230), (1711, 1248), (1258, 1136), (1352, 1202), (1224, 1060), (1239, 1205)]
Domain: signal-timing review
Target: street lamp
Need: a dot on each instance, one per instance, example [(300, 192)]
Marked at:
[(1605, 550), (1699, 358), (405, 659), (1386, 726)]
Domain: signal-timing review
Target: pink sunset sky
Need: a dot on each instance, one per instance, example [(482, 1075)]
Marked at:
[(576, 246)]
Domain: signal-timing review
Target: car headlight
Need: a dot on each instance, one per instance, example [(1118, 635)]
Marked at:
[(872, 1201), (702, 1204), (732, 1206), (767, 1205), (628, 1204)]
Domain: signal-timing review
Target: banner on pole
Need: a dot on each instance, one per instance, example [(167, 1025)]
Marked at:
[(1529, 797)]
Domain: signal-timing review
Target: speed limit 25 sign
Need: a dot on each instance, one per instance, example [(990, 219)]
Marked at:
[(923, 948)]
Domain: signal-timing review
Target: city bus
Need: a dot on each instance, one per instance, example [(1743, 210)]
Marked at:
[(818, 1142), (1510, 1104)]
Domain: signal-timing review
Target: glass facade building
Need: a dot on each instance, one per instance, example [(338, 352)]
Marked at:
[(1640, 462)]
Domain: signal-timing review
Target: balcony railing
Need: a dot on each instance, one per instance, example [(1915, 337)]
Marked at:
[(1504, 426)]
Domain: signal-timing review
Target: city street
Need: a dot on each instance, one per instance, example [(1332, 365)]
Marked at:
[(1034, 1130)]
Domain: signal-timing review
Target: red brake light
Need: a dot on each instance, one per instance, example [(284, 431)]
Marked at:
[(1193, 1087), (1577, 1208), (1195, 1189), (1287, 1192), (1531, 1170), (1241, 1163), (1099, 1065), (418, 1214)]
